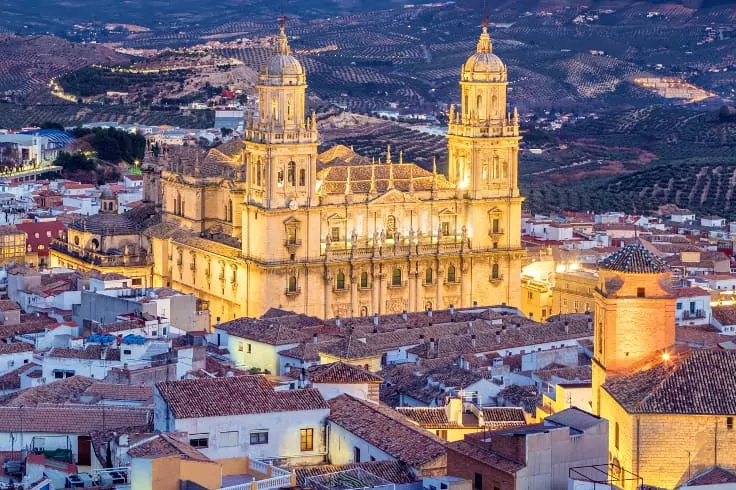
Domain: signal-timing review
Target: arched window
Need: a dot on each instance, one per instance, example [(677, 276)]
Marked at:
[(302, 177), (76, 240), (291, 173), (427, 306), (494, 271), (494, 104), (292, 284), (274, 109), (289, 110), (479, 105), (495, 166), (396, 277), (95, 244), (340, 282), (363, 311), (363, 279), (259, 171), (428, 276), (390, 227), (451, 273)]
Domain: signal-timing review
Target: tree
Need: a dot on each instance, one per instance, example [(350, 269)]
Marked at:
[(51, 125)]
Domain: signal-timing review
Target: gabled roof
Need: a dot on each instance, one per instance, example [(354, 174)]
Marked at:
[(386, 429), (219, 397), (164, 445), (634, 259), (503, 417), (428, 417), (713, 476), (699, 382), (393, 471), (341, 373)]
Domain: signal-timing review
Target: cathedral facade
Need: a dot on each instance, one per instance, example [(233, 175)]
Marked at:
[(270, 222)]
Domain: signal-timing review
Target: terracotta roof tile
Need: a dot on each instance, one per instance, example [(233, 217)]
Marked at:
[(483, 455), (163, 445), (15, 348), (393, 471), (398, 436), (71, 419), (428, 417), (713, 476), (696, 382), (217, 397), (341, 373), (503, 417)]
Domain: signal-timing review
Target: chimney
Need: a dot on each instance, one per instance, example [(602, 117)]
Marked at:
[(375, 319), (567, 327), (429, 312), (472, 340), (338, 322), (421, 338), (431, 345), (498, 336), (404, 315), (315, 338)]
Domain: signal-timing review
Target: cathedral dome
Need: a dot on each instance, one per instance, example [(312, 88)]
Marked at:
[(483, 65), (283, 68)]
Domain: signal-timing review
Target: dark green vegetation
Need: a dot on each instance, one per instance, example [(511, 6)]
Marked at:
[(113, 145), (91, 81), (638, 161)]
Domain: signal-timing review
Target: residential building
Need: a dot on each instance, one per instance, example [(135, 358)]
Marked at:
[(39, 235), (536, 299), (12, 245), (363, 431), (332, 380), (573, 291), (531, 456), (693, 306), (240, 416)]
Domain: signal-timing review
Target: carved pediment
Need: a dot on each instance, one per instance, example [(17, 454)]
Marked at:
[(394, 196)]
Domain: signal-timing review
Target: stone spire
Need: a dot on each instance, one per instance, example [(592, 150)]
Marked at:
[(373, 179), (390, 174), (411, 179), (434, 173), (282, 42), (484, 43), (401, 157), (388, 154)]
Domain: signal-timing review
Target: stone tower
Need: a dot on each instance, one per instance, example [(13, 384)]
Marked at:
[(634, 313), (483, 139), (281, 144)]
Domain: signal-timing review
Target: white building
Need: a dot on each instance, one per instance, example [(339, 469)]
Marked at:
[(244, 416), (693, 306), (333, 380), (14, 355)]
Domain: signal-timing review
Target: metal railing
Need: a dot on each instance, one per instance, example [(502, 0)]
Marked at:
[(99, 259)]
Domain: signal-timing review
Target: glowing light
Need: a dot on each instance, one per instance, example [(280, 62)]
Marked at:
[(463, 184), (666, 356)]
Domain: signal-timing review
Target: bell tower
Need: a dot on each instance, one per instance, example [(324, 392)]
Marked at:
[(483, 139), (634, 313), (281, 141)]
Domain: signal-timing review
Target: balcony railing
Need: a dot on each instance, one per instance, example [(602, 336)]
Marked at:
[(100, 259), (693, 315)]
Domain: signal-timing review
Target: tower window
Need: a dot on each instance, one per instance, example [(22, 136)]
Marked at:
[(390, 227), (335, 233), (496, 225), (616, 434), (641, 293), (495, 272), (302, 177), (291, 173), (428, 276), (451, 273), (396, 277), (729, 423), (292, 284), (340, 283), (445, 228), (280, 178), (363, 279)]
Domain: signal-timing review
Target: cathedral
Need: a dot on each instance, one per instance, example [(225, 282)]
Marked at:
[(268, 221)]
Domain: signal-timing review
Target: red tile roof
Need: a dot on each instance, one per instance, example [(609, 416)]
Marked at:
[(713, 476), (698, 382), (482, 454), (217, 397), (503, 417), (393, 471), (386, 429), (341, 373), (70, 419), (428, 417), (164, 445), (15, 348)]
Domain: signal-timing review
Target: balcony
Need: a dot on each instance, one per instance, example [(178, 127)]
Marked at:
[(292, 243), (693, 315), (292, 292), (495, 279), (100, 259)]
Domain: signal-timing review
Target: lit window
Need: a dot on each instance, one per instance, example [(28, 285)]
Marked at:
[(306, 439), (335, 233), (445, 228)]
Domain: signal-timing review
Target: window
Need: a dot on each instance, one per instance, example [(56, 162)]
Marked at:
[(495, 225), (529, 295), (306, 439), (228, 439), (615, 435), (364, 280), (442, 434), (445, 228), (335, 233), (291, 236), (356, 455), (199, 440), (340, 283), (250, 348), (127, 352), (292, 284), (260, 437), (428, 276), (494, 272), (451, 273), (640, 293), (241, 346), (302, 177), (729, 423), (280, 178), (291, 173), (478, 481), (136, 282), (396, 277)]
